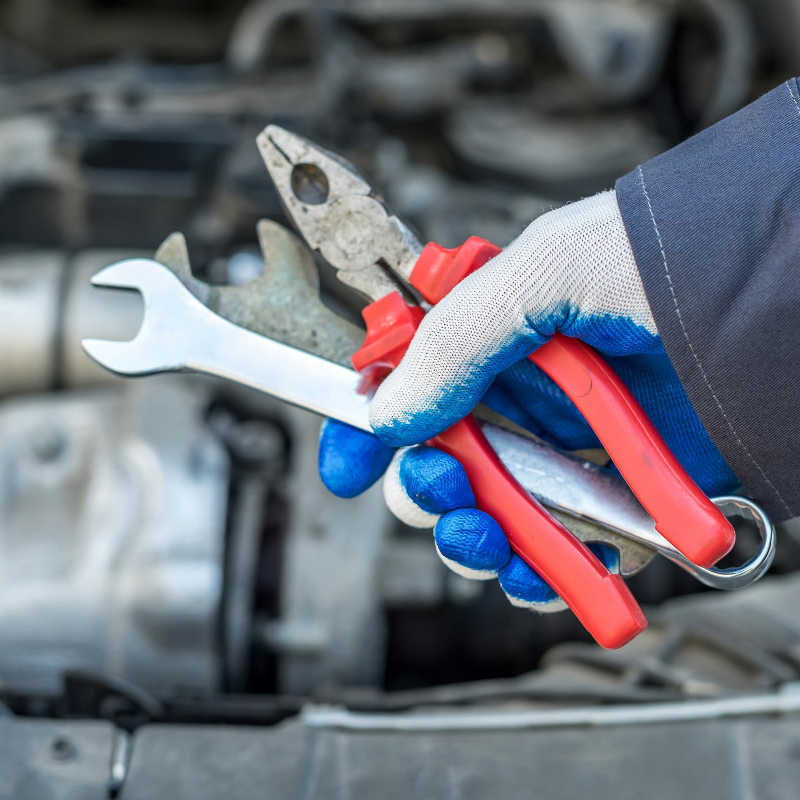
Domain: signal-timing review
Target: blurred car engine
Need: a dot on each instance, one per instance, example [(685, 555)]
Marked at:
[(168, 552)]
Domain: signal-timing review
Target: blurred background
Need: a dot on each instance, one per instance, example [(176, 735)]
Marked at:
[(168, 552)]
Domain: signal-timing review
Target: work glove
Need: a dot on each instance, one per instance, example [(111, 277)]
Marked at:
[(572, 270)]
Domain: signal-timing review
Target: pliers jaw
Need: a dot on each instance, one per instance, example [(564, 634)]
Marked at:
[(338, 214)]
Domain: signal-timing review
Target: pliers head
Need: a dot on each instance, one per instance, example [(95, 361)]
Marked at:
[(339, 215)]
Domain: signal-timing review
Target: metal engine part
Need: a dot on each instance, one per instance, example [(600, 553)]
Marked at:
[(46, 306), (113, 506)]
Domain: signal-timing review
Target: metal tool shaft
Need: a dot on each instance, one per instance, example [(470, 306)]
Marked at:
[(180, 333), (588, 492)]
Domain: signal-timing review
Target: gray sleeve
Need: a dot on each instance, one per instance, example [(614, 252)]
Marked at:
[(715, 229)]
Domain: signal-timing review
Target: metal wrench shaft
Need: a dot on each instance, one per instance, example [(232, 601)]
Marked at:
[(179, 333)]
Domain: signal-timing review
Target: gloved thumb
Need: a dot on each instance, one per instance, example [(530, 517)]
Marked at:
[(469, 337), (572, 270)]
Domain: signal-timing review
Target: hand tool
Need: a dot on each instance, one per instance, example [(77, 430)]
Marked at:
[(339, 215), (179, 332), (268, 305), (592, 502)]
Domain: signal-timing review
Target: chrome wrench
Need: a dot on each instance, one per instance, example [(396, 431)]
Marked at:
[(179, 333)]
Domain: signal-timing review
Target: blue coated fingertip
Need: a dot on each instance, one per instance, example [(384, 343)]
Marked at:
[(472, 539), (350, 460), (521, 582), (435, 481)]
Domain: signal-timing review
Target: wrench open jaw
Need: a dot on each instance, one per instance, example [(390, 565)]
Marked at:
[(153, 349), (179, 333)]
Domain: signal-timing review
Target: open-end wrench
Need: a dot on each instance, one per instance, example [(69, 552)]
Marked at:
[(180, 333)]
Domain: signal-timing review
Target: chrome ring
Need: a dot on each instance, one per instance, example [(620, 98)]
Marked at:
[(750, 571)]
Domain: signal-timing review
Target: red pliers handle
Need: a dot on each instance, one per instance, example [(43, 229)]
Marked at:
[(682, 513)]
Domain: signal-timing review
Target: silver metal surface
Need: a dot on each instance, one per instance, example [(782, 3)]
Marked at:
[(28, 320), (750, 571), (337, 213), (89, 312), (179, 333), (785, 701), (46, 306), (268, 304), (121, 749), (112, 512), (586, 491), (332, 629)]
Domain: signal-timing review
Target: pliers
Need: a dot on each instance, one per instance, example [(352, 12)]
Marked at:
[(340, 216)]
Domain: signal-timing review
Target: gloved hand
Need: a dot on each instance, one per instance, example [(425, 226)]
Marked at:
[(572, 270)]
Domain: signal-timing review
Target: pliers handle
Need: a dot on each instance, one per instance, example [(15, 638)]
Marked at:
[(340, 216), (682, 513)]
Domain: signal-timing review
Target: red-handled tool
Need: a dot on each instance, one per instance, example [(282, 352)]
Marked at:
[(682, 513), (601, 601), (339, 216)]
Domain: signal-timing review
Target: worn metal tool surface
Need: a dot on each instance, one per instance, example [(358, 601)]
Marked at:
[(268, 304)]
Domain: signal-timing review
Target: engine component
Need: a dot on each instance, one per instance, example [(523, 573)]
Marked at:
[(113, 507)]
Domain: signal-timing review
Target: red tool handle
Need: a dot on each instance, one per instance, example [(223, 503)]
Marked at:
[(600, 600), (682, 513)]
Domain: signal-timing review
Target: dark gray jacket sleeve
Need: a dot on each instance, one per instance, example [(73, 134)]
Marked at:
[(715, 229)]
